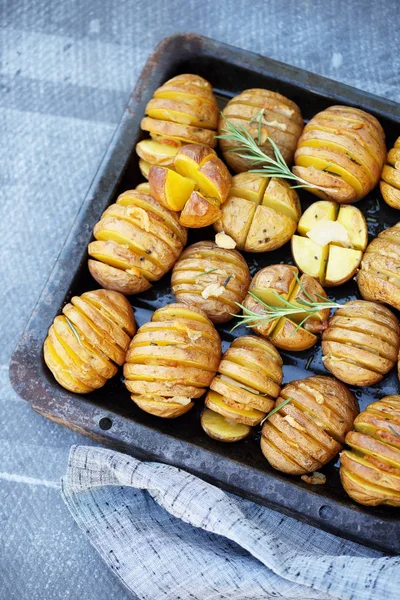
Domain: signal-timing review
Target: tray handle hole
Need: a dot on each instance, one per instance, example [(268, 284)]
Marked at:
[(105, 423), (325, 511)]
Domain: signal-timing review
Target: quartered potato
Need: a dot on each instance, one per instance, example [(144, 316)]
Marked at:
[(211, 278), (244, 389), (390, 178), (370, 466), (379, 277), (331, 242), (89, 340), (272, 286), (260, 214), (308, 431), (280, 121), (137, 241), (172, 360), (342, 150), (196, 186), (361, 343)]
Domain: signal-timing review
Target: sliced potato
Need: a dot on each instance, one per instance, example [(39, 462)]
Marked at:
[(156, 153), (221, 428)]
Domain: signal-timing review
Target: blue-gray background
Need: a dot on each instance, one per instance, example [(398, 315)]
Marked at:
[(67, 68)]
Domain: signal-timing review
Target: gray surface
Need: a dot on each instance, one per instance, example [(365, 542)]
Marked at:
[(66, 71)]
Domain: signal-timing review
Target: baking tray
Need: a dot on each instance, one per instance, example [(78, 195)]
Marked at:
[(108, 415)]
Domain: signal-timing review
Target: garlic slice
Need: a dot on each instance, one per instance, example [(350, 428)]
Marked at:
[(213, 290), (326, 232), (225, 241)]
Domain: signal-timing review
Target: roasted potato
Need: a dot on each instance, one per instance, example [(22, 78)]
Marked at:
[(370, 467), (172, 360), (244, 389), (379, 277), (342, 150), (308, 431), (390, 178), (277, 281), (280, 120), (89, 340), (331, 242), (222, 428), (182, 111), (137, 241), (211, 278), (361, 343), (260, 214), (197, 186)]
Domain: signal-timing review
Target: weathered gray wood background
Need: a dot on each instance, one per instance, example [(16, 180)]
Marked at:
[(67, 67)]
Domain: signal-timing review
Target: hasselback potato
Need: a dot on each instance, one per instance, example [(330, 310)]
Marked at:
[(260, 214), (211, 278), (244, 389), (283, 332), (280, 120), (308, 431), (89, 340), (361, 343), (370, 468), (172, 360), (379, 277), (342, 150), (183, 110), (137, 241), (390, 179)]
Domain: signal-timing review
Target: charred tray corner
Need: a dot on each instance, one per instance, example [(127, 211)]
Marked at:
[(108, 415)]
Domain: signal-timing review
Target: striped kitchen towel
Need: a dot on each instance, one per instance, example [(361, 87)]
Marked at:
[(168, 535)]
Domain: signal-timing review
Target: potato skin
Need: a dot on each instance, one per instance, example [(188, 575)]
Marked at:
[(379, 276), (219, 266), (390, 178), (370, 465), (137, 241), (281, 121), (361, 343), (342, 149), (309, 431), (89, 340), (171, 360)]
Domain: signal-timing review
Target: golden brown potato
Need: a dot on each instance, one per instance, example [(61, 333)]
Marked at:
[(277, 281), (244, 389), (331, 242), (86, 343), (172, 360), (137, 242), (370, 468), (379, 277), (342, 149), (361, 343), (390, 178), (281, 121), (222, 428), (260, 214), (211, 278), (307, 432), (195, 168)]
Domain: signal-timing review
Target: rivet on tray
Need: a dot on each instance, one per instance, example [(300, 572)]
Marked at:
[(325, 511), (105, 423)]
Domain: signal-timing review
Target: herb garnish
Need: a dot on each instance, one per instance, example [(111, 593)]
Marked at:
[(74, 331), (206, 272), (274, 410), (393, 431)]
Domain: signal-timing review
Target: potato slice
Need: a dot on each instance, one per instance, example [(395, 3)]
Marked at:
[(199, 114), (310, 257), (144, 167), (177, 131), (156, 153), (342, 265), (221, 428), (244, 416), (169, 188), (161, 408)]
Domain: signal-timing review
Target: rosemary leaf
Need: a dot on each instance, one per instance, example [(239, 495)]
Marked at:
[(393, 431), (74, 331), (274, 410), (206, 272), (227, 280)]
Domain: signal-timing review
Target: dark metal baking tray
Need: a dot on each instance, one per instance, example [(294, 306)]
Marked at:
[(108, 415)]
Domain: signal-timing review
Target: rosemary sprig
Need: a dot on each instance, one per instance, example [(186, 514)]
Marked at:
[(74, 331), (249, 149), (307, 305), (207, 272), (274, 410), (393, 431), (227, 280)]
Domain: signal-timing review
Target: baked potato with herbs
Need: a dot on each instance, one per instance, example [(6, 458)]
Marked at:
[(137, 241), (211, 278), (379, 277), (308, 431), (85, 345), (260, 214), (172, 360), (331, 242), (370, 467), (361, 343), (243, 390), (390, 178), (196, 186), (280, 281), (342, 150), (279, 120)]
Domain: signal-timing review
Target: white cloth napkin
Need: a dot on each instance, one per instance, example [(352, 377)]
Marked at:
[(169, 535)]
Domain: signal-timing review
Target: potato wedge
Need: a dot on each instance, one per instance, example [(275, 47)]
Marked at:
[(199, 211), (169, 188)]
